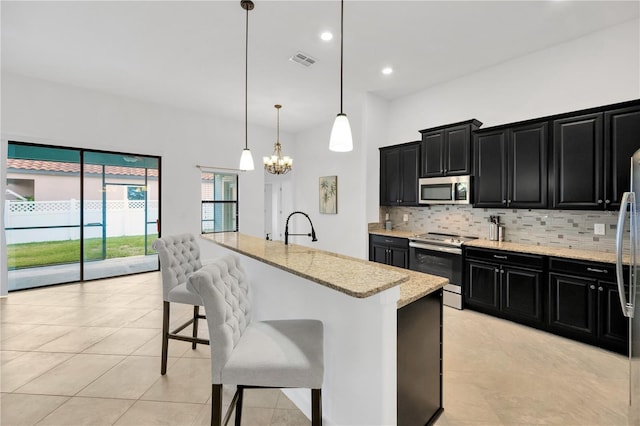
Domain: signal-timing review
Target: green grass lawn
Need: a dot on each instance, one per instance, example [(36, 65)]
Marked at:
[(57, 252)]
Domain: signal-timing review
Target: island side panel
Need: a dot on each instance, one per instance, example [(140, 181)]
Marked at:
[(420, 361), (359, 343)]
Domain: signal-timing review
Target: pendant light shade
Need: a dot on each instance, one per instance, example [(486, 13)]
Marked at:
[(246, 160), (341, 139)]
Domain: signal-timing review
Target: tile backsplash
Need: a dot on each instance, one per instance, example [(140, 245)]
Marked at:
[(559, 228)]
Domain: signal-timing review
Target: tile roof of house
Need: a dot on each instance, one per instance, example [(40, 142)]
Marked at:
[(57, 166)]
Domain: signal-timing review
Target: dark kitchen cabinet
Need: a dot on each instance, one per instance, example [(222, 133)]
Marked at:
[(578, 159), (591, 158), (511, 167), (584, 304), (389, 250), (447, 150), (505, 284), (621, 140), (482, 290), (399, 171)]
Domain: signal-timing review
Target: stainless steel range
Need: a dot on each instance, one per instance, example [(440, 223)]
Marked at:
[(440, 254)]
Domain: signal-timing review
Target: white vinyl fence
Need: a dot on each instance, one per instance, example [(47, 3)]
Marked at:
[(123, 217)]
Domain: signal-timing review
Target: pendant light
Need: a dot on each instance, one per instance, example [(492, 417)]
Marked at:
[(246, 160), (341, 140), (277, 164)]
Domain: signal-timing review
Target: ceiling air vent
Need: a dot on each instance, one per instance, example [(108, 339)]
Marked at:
[(303, 59)]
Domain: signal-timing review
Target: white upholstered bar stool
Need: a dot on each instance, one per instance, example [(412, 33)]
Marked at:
[(179, 258), (273, 354)]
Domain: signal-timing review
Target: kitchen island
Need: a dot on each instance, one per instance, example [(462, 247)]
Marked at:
[(383, 327)]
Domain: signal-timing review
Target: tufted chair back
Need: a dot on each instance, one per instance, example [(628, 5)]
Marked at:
[(179, 258), (225, 294)]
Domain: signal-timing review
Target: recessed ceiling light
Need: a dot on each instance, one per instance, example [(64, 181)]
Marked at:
[(326, 36), (387, 70)]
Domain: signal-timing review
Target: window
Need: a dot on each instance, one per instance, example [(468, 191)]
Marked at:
[(219, 202)]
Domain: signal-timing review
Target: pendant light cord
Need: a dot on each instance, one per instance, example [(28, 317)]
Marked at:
[(246, 79), (278, 138), (341, 47)]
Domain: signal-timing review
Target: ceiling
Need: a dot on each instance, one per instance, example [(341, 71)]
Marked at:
[(190, 54)]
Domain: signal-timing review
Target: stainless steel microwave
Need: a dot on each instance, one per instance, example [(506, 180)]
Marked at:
[(445, 190)]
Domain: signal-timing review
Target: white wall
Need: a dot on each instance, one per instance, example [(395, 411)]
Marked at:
[(598, 69), (44, 112), (346, 231), (375, 125)]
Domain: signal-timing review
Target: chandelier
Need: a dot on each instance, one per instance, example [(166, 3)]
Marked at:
[(277, 164)]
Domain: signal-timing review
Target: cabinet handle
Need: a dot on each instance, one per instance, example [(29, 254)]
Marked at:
[(504, 201), (592, 287), (502, 271), (509, 201), (599, 201), (496, 270), (607, 201), (600, 271), (600, 288), (499, 257)]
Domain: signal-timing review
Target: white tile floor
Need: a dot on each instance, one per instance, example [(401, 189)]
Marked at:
[(88, 354)]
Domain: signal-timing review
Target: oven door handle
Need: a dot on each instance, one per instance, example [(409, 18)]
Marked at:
[(432, 247)]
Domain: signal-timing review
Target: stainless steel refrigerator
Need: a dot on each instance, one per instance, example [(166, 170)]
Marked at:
[(628, 285)]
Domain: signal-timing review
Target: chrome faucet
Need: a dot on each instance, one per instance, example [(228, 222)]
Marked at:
[(312, 234)]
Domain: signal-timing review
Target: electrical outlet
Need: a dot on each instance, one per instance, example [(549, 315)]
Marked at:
[(598, 228), (405, 218)]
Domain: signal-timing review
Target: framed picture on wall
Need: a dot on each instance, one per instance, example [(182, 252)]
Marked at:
[(329, 194)]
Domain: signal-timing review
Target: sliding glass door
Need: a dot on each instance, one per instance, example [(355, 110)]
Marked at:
[(42, 216), (75, 214), (120, 214)]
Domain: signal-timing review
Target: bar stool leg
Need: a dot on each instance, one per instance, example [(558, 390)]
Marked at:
[(239, 405), (316, 407), (196, 310), (216, 405), (165, 336)]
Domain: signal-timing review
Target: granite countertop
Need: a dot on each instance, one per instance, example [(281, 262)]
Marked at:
[(392, 233), (569, 253), (354, 277)]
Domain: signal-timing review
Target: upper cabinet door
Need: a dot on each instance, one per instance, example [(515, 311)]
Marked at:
[(433, 154), (621, 140), (399, 171), (389, 176), (447, 150), (527, 186), (490, 184), (410, 172), (457, 152), (578, 162)]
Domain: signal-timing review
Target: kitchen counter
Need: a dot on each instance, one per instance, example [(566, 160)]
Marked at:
[(569, 253), (382, 327), (393, 233), (354, 277)]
